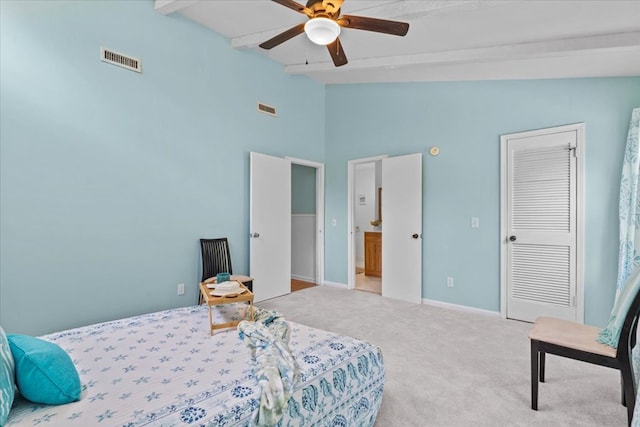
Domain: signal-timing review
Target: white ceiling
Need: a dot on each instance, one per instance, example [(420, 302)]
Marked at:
[(447, 39)]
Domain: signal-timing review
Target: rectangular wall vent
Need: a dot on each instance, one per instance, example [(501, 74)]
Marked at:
[(267, 109), (120, 60)]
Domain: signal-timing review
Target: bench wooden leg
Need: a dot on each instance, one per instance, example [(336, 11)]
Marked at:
[(535, 360), (542, 365), (628, 391)]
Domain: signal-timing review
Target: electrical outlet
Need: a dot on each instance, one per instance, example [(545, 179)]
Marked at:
[(180, 288), (450, 282), (334, 222), (475, 222)]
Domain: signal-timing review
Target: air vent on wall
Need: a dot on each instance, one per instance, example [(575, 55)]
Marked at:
[(120, 60), (267, 109)]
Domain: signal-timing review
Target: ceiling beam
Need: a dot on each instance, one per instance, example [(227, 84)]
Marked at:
[(251, 41), (167, 7), (415, 9), (404, 10), (565, 47)]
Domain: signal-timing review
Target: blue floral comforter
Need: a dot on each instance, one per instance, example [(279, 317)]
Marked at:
[(163, 369)]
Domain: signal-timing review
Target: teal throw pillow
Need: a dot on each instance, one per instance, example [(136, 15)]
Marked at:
[(611, 333), (7, 378), (44, 371)]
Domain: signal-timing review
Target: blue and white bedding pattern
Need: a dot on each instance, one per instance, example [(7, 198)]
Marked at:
[(164, 369)]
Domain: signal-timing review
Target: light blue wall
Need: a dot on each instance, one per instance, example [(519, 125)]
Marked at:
[(466, 119), (108, 178), (303, 189)]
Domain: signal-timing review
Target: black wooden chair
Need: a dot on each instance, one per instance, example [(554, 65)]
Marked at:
[(216, 258), (578, 342)]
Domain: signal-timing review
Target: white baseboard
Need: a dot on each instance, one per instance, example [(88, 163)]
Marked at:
[(460, 307), (336, 284), (303, 278)]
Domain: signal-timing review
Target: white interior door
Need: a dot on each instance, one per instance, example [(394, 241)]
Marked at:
[(402, 227), (270, 226), (541, 236)]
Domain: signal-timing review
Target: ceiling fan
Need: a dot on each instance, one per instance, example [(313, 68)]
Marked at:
[(323, 26)]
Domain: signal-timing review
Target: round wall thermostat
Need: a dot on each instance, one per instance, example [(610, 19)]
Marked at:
[(434, 151)]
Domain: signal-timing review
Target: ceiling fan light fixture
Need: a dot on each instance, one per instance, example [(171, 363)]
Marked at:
[(322, 31)]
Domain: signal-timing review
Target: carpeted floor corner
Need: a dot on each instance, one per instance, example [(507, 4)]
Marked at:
[(453, 368)]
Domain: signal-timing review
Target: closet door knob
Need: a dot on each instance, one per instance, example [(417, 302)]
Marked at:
[(512, 238), (415, 235)]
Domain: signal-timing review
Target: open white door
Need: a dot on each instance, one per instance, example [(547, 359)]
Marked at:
[(402, 227), (270, 226)]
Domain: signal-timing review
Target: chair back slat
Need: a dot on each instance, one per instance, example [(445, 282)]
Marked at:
[(216, 257)]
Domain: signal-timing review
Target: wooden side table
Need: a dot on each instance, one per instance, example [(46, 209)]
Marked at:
[(245, 280), (211, 300)]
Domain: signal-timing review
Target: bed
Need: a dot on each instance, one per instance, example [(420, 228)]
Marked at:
[(163, 369)]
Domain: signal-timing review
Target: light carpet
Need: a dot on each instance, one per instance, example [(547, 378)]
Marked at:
[(453, 368)]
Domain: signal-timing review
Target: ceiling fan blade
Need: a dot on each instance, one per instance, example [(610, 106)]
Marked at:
[(283, 37), (295, 6), (337, 53), (395, 28)]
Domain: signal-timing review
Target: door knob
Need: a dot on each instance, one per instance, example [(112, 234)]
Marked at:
[(512, 238), (256, 235), (415, 235)]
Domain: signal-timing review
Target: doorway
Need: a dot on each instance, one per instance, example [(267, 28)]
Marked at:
[(270, 224), (364, 177), (400, 213), (303, 226), (367, 227), (307, 222)]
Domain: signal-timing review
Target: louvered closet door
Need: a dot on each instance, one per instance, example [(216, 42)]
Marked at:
[(541, 229)]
